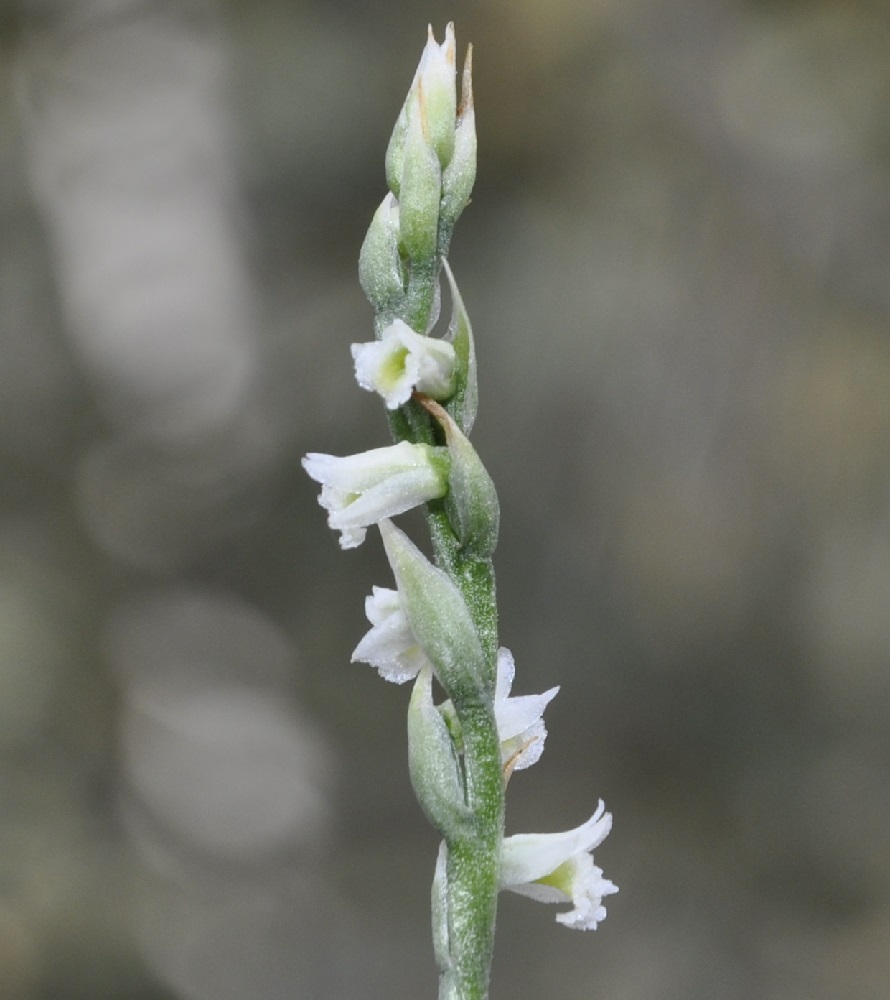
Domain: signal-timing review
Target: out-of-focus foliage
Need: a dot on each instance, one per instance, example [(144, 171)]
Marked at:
[(676, 263)]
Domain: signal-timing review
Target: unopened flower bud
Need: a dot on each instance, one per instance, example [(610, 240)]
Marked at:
[(432, 101), (436, 92), (395, 151)]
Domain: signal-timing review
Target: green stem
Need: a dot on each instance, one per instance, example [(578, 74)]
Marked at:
[(468, 899), (472, 864), (474, 578)]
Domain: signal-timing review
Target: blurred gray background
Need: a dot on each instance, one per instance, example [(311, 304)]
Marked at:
[(676, 263)]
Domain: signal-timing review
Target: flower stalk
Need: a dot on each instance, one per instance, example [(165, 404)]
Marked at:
[(439, 626)]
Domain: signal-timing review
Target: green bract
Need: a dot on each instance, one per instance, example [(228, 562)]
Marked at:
[(436, 772), (465, 401), (381, 270), (439, 619)]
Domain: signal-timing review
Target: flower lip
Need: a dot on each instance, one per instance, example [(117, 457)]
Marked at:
[(402, 361)]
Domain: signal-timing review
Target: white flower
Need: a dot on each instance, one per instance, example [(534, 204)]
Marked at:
[(360, 490), (520, 720), (389, 645), (401, 361), (558, 867)]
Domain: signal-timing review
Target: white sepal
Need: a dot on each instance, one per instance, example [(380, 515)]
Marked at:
[(402, 361), (558, 867), (389, 645), (519, 720), (361, 490)]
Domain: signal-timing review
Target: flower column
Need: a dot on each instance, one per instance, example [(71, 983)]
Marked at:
[(441, 621)]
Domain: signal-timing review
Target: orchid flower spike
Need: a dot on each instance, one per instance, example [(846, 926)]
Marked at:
[(439, 626)]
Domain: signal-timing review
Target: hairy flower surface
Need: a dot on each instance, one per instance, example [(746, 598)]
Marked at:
[(402, 361), (558, 868), (361, 490)]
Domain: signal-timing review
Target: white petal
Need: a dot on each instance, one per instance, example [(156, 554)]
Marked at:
[(389, 646), (351, 538), (386, 366), (587, 888), (554, 868)]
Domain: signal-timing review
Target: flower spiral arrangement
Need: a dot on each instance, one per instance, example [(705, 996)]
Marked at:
[(440, 623)]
